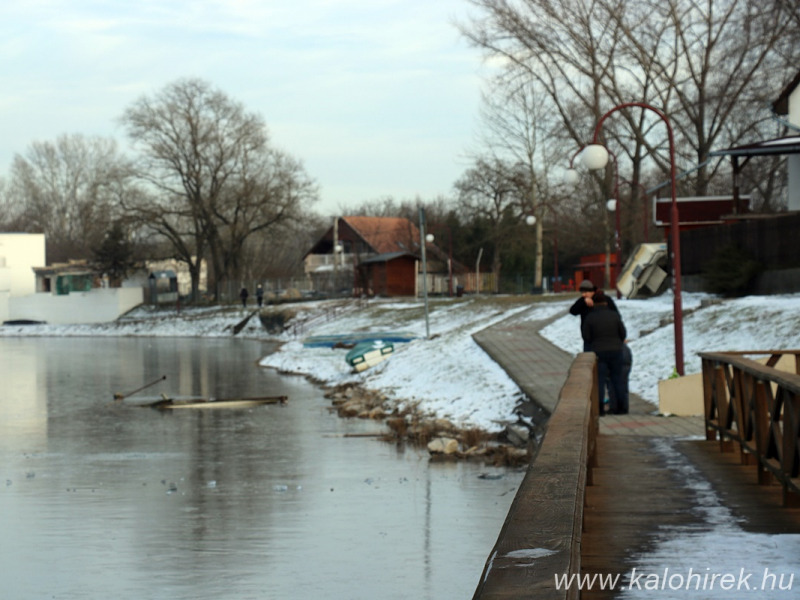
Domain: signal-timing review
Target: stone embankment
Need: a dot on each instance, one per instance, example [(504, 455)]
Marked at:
[(443, 439)]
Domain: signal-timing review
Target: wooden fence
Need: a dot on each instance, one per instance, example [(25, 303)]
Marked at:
[(756, 407), (541, 536)]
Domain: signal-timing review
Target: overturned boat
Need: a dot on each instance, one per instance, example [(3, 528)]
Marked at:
[(368, 354)]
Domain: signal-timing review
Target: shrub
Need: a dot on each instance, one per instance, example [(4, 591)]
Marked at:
[(731, 271)]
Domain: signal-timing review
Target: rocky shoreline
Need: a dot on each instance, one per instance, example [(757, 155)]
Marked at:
[(514, 446)]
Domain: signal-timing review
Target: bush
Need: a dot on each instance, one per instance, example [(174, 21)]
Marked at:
[(732, 271)]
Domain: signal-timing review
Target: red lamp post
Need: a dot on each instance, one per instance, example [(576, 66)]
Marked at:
[(596, 157)]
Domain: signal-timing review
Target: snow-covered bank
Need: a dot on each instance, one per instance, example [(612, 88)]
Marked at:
[(448, 375)]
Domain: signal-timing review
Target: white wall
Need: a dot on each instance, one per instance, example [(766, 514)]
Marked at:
[(100, 305), (21, 252), (793, 160)]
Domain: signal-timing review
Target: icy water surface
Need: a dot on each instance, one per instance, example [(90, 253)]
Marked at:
[(100, 500)]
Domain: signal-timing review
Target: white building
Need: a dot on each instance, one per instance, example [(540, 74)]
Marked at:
[(19, 253), (788, 104), (20, 300)]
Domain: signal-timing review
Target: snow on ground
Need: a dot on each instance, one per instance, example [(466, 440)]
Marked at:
[(448, 375), (749, 323), (716, 561)]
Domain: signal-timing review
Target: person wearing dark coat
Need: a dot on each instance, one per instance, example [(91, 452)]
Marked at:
[(259, 295), (605, 333), (583, 305), (243, 295)]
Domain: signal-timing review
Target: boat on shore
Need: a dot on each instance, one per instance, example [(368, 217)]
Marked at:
[(367, 354)]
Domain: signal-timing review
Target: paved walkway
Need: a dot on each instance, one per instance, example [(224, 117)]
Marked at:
[(652, 476), (539, 368)]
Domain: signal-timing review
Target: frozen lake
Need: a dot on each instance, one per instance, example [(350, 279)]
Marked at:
[(99, 499)]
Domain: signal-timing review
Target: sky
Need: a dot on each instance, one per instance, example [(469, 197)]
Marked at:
[(378, 98)]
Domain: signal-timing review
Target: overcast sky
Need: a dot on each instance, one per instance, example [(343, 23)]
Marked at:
[(377, 97)]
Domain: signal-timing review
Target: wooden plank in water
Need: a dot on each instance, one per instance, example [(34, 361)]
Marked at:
[(215, 404), (170, 404)]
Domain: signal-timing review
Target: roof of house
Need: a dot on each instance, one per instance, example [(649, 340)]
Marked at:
[(785, 145), (781, 105), (386, 234)]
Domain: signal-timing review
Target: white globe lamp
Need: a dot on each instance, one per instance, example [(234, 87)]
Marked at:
[(572, 177), (595, 156)]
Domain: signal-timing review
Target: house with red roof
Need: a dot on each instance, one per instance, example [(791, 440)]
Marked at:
[(377, 256)]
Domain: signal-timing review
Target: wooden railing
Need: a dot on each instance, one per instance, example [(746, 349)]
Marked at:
[(541, 536), (756, 407)]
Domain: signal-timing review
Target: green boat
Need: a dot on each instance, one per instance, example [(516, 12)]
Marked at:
[(367, 354)]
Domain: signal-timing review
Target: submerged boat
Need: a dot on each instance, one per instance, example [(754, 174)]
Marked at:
[(352, 339), (368, 354), (165, 402)]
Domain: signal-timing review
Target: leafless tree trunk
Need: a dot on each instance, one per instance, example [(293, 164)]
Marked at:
[(492, 192), (516, 129)]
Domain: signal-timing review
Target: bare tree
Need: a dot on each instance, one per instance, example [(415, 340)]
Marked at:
[(713, 75), (494, 192), (517, 129), (68, 190), (699, 61), (216, 179)]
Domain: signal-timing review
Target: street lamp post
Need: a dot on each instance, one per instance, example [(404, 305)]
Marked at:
[(572, 177), (430, 238), (424, 270), (531, 220), (595, 156)]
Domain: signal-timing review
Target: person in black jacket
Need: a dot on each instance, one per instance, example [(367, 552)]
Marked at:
[(583, 305), (605, 333)]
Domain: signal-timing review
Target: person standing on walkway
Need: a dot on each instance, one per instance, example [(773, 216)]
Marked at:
[(243, 295), (605, 333), (259, 295), (583, 305)]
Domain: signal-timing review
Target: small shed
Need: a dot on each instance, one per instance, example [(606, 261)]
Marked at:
[(62, 278), (593, 268), (163, 287), (390, 274)]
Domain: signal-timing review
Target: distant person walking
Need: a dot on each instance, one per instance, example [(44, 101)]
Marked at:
[(583, 305), (605, 333), (243, 294), (259, 295)]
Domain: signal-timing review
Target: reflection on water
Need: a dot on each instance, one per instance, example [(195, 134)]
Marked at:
[(99, 499)]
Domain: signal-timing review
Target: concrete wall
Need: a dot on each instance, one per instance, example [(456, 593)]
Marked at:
[(19, 253), (99, 305)]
